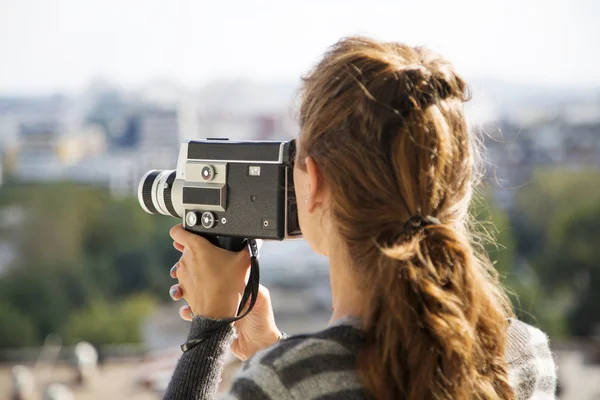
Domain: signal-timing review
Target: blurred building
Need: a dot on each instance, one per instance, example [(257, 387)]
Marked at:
[(516, 147), (48, 151), (37, 152), (111, 137), (157, 130)]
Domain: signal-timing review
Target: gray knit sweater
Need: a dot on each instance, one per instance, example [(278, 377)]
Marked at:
[(323, 366)]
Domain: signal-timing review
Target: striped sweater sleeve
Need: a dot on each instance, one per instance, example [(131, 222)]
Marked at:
[(532, 370), (198, 372)]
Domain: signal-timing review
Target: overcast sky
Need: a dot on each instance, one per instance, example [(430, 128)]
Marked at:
[(50, 45)]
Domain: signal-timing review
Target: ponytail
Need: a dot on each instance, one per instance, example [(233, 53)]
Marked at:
[(424, 322)]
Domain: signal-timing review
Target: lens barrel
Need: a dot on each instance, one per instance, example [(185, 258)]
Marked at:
[(155, 192), (145, 191)]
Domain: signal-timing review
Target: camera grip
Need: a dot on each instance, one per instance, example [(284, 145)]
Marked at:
[(225, 242), (231, 243)]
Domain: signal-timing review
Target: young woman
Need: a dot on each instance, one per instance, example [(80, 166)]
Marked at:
[(384, 175)]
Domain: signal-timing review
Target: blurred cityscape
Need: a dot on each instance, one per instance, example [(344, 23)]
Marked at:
[(70, 169), (108, 137)]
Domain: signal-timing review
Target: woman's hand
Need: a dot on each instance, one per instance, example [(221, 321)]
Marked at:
[(212, 281), (257, 330)]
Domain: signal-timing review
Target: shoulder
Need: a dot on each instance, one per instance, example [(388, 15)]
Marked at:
[(532, 370), (336, 345), (523, 340), (296, 358), (304, 366)]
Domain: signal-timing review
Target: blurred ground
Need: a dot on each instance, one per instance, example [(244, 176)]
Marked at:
[(146, 377), (116, 380), (578, 378), (120, 380)]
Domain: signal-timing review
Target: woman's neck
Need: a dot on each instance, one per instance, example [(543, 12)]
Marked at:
[(346, 297)]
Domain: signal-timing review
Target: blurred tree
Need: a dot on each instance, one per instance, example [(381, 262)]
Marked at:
[(110, 323), (55, 219), (492, 226), (134, 245), (555, 223), (82, 253), (46, 294), (526, 291), (16, 328), (552, 194), (77, 244), (573, 264)]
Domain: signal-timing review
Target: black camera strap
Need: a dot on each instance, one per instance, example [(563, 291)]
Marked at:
[(250, 293)]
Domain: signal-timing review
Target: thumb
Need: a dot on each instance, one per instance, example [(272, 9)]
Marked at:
[(187, 239)]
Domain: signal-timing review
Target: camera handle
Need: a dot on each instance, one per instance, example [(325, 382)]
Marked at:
[(227, 243), (250, 291)]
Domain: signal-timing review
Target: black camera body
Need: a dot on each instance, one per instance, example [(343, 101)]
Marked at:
[(228, 189)]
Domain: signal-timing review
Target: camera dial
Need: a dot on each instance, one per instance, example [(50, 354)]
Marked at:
[(208, 173)]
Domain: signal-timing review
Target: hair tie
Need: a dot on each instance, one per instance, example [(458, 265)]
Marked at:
[(419, 222)]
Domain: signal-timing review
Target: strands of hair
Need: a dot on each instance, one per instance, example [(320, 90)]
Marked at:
[(386, 121)]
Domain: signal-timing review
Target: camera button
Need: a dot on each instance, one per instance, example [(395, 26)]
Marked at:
[(208, 172), (191, 219), (208, 220)]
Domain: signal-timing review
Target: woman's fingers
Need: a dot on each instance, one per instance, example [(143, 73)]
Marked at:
[(173, 271), (185, 312), (176, 292), (188, 239), (179, 246), (206, 272)]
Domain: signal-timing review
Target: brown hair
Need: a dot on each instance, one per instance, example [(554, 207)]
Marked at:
[(384, 122)]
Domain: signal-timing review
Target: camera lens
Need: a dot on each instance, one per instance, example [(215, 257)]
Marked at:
[(145, 192), (155, 192)]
